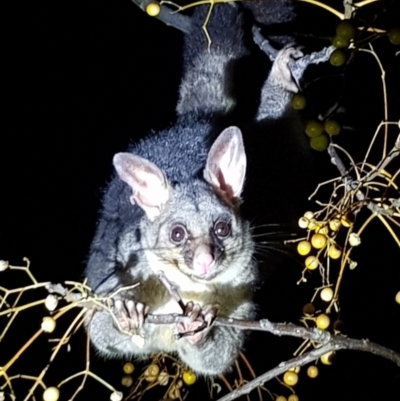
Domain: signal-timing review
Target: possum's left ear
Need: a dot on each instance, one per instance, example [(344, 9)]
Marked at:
[(226, 164)]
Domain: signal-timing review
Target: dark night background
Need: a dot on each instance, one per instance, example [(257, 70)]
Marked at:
[(84, 78)]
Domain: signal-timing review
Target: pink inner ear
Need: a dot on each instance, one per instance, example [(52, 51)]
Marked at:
[(150, 188)]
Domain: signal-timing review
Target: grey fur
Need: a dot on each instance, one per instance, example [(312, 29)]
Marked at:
[(173, 179)]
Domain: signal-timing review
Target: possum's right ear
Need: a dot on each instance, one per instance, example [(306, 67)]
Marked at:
[(150, 188), (226, 165)]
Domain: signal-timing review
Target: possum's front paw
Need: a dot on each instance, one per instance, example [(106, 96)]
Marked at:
[(197, 322), (130, 315), (281, 71)]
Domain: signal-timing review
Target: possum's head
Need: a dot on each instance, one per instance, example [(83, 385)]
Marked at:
[(193, 228)]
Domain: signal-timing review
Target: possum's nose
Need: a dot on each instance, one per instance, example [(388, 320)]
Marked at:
[(203, 261)]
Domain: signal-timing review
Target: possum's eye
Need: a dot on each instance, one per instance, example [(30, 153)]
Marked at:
[(178, 234), (222, 229)]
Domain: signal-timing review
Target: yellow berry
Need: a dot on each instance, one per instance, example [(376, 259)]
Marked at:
[(318, 241), (293, 397), (319, 143), (309, 215), (334, 252), (189, 377), (311, 262), (163, 378), (314, 128), (290, 378), (128, 368), (295, 369), (345, 29), (398, 297), (347, 220), (322, 321), (48, 324), (151, 373), (322, 230), (340, 42), (51, 394), (327, 294), (394, 36), (298, 101), (153, 9), (303, 248), (127, 381), (332, 127), (327, 358), (280, 398), (303, 222), (337, 58), (334, 224), (312, 371), (312, 225)]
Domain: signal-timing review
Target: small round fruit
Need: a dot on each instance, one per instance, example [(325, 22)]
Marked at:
[(334, 224), (128, 368), (298, 101), (312, 225), (293, 397), (338, 326), (151, 373), (340, 42), (153, 9), (51, 302), (318, 241), (116, 396), (309, 215), (308, 309), (332, 127), (48, 324), (303, 247), (347, 220), (303, 222), (51, 394), (290, 378), (337, 58), (354, 239), (163, 378), (280, 398), (127, 381), (326, 294), (322, 230), (398, 297), (322, 321), (334, 252), (311, 263), (189, 377), (327, 358), (345, 29), (295, 369), (314, 128), (319, 143), (312, 371), (394, 36)]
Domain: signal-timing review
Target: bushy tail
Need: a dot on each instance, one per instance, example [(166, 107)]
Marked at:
[(214, 47)]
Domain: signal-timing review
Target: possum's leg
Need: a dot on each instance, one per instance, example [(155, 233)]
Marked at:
[(280, 85)]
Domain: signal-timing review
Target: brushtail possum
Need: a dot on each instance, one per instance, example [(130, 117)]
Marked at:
[(173, 206)]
